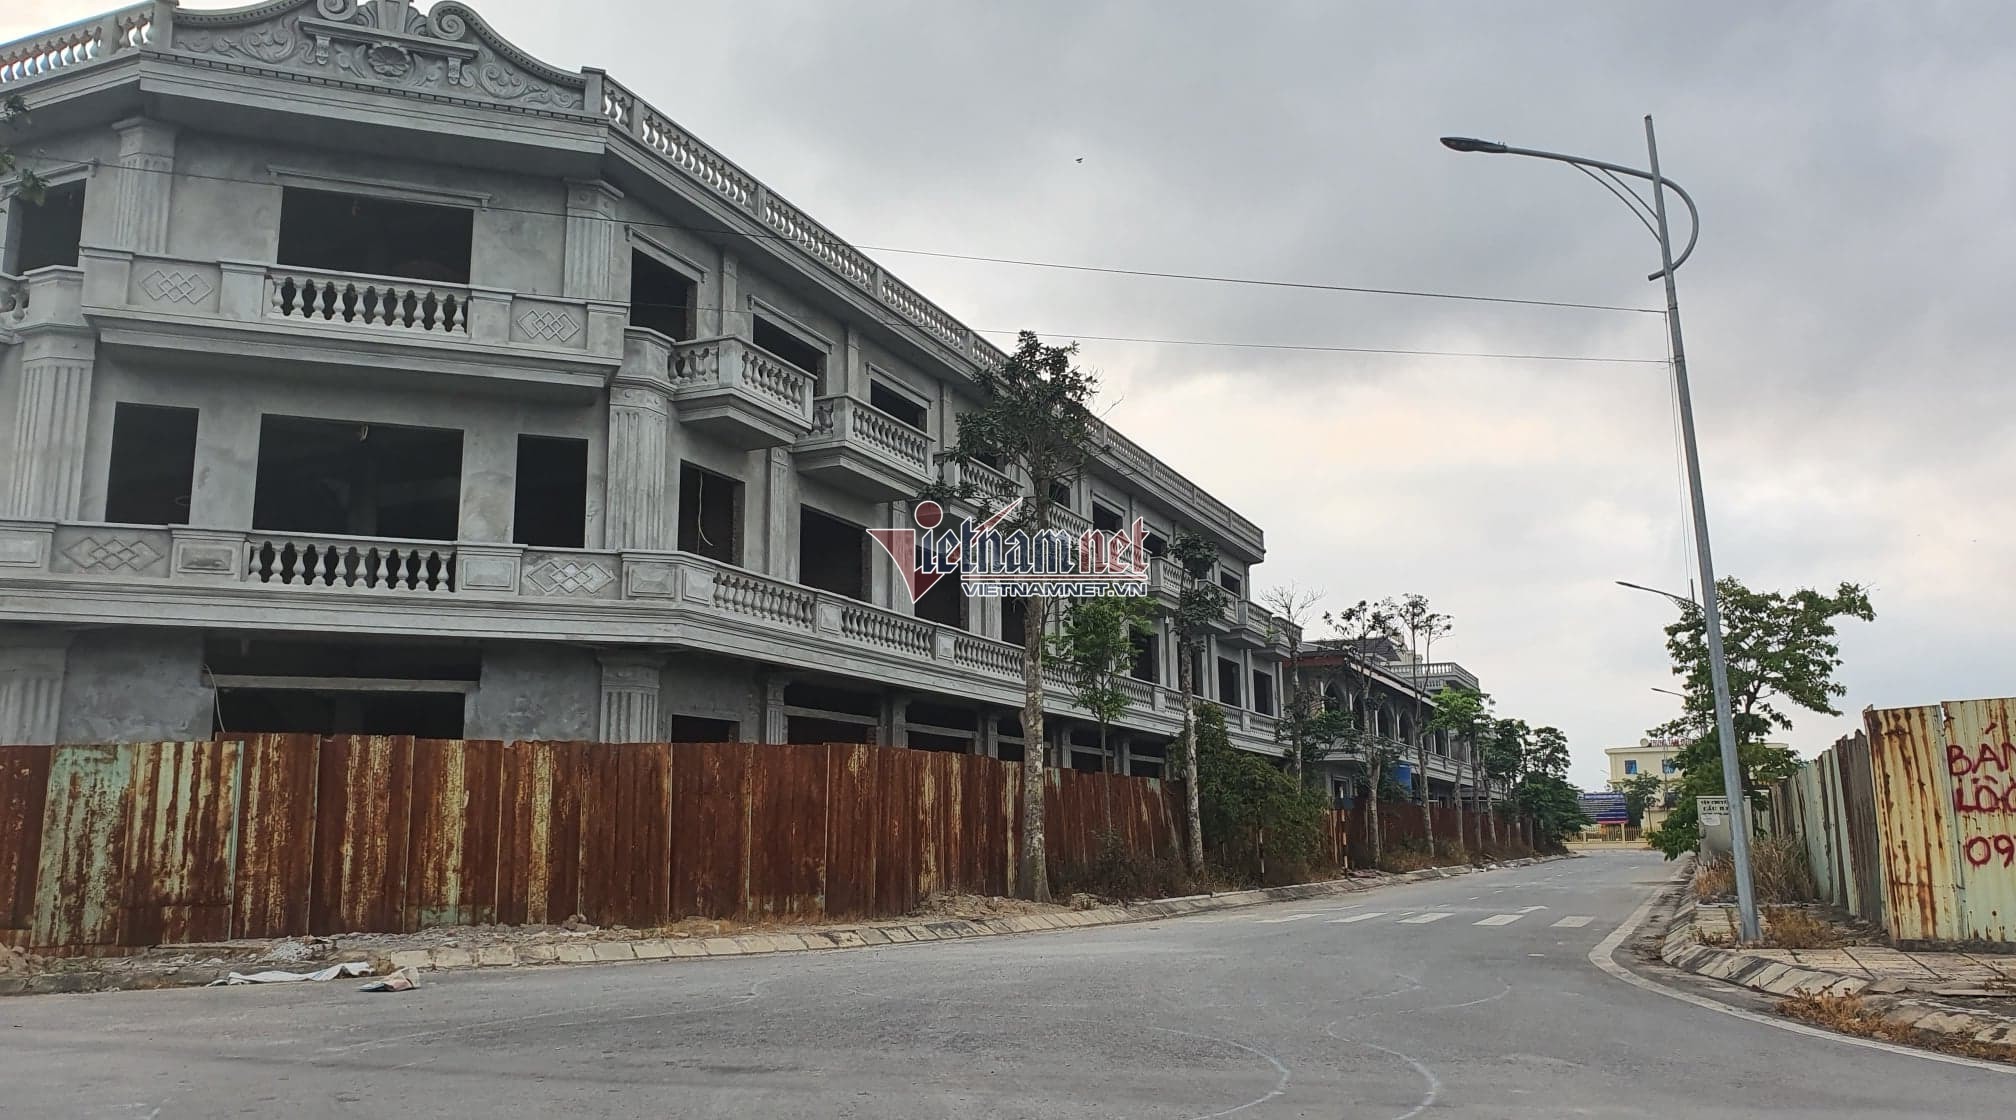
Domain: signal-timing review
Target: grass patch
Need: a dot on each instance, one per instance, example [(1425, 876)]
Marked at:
[(1778, 870), (1849, 1015), (1120, 874), (1796, 927)]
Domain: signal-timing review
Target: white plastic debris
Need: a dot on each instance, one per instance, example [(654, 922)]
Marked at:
[(350, 968)]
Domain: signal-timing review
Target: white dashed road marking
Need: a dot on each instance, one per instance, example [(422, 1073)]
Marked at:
[(1289, 918), (1356, 918), (1500, 920), (1424, 919), (1576, 922), (1530, 909)]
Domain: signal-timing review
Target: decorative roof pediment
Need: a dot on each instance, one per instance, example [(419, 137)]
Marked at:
[(448, 50)]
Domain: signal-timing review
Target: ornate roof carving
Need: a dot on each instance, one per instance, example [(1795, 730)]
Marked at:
[(448, 50)]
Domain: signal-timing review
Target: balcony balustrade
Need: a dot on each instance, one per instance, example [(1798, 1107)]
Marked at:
[(866, 451), (741, 393)]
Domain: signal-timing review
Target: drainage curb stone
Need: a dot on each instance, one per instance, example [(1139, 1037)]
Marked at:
[(1684, 950)]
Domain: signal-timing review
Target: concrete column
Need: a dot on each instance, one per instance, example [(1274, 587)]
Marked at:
[(31, 689), (895, 713), (590, 268), (989, 740), (725, 316), (630, 684), (640, 513), (778, 543), (50, 422), (776, 728), (489, 481), (145, 181), (853, 379)]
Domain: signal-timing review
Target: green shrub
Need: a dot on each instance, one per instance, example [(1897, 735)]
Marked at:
[(1259, 823)]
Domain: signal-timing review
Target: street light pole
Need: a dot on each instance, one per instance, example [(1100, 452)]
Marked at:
[(1711, 615)]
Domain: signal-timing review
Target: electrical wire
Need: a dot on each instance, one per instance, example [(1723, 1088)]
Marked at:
[(813, 244)]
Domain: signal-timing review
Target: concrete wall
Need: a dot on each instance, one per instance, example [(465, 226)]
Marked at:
[(531, 691), (697, 684), (134, 686)]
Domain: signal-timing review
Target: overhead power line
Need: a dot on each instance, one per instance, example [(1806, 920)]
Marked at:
[(1019, 262)]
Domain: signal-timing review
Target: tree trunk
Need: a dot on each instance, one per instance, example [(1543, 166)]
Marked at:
[(1298, 715), (1035, 876), (1378, 774), (1106, 770), (1421, 766), (1193, 817)]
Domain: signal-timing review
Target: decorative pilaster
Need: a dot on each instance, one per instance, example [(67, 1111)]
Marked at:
[(146, 180), (31, 692), (896, 719), (590, 266), (776, 725), (638, 512), (780, 544), (630, 685), (49, 428)]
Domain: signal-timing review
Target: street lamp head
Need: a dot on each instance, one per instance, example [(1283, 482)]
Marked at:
[(1466, 144)]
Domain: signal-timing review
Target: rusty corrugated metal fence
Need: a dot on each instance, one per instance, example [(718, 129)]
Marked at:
[(148, 843), (1913, 824)]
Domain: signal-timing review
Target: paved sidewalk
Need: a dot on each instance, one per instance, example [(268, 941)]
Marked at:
[(1908, 989)]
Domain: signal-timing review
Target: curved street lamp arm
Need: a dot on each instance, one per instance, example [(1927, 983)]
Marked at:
[(1693, 214), (1616, 186)]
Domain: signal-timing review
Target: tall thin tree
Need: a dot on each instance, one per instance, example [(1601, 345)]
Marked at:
[(1422, 626), (1292, 605), (1364, 630), (1035, 419), (1198, 602)]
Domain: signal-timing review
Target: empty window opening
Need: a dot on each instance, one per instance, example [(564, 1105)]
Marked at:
[(335, 657), (831, 700), (1060, 494), (662, 299), (832, 554), (1105, 519), (1145, 761), (940, 716), (1229, 691), (1147, 665), (428, 715), (945, 602), (1156, 544), (788, 345), (375, 236), (1087, 761), (934, 741), (700, 729), (897, 404), (357, 479), (816, 729), (49, 231), (1014, 620), (1263, 693), (153, 465), (710, 514), (550, 505), (1230, 581)]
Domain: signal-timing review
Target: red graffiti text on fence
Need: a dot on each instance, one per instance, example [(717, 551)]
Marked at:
[(1984, 778), (1979, 850)]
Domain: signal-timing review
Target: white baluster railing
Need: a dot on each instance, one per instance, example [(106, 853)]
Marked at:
[(884, 432), (13, 297), (318, 296), (350, 562), (863, 623), (987, 655), (76, 44), (754, 596), (771, 376)]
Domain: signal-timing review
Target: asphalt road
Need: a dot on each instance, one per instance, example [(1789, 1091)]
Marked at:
[(1467, 997)]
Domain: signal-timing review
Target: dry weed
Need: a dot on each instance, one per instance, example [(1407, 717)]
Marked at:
[(1849, 1015)]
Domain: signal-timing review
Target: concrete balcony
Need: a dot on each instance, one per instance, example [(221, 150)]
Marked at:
[(273, 316), (865, 451), (94, 574), (48, 298), (741, 393), (990, 487)]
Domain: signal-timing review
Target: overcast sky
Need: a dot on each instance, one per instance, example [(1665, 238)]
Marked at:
[(1849, 312)]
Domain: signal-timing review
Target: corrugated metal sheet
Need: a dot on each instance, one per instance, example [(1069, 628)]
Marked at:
[(102, 846), (24, 785), (1945, 792), (1858, 822)]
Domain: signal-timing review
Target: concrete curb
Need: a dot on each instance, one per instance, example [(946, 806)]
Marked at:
[(1684, 950), (873, 935)]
